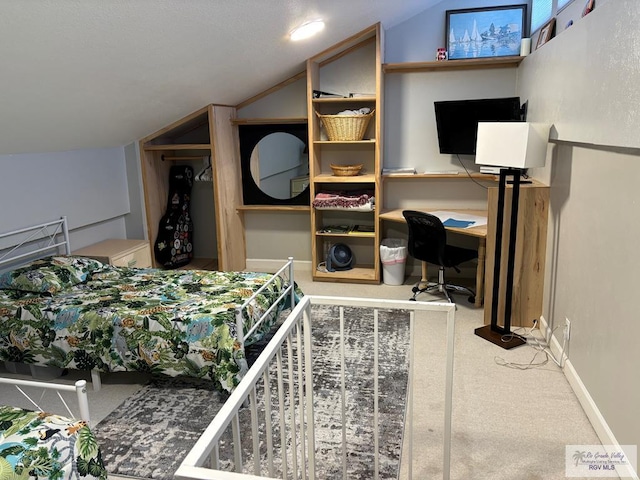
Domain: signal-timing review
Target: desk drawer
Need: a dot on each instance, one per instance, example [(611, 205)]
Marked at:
[(140, 258)]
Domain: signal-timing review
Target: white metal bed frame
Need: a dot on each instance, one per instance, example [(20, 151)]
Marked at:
[(49, 238), (296, 422), (47, 233), (80, 388)]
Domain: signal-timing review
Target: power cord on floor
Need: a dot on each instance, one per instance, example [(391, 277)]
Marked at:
[(541, 347)]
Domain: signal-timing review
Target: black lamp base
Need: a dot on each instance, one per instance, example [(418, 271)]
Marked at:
[(506, 341)]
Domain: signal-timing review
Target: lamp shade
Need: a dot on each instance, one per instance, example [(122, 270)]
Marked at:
[(512, 144)]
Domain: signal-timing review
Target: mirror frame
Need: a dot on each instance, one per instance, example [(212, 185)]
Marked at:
[(249, 136)]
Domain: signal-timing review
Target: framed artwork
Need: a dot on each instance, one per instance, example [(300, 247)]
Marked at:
[(485, 32), (591, 4), (546, 33)]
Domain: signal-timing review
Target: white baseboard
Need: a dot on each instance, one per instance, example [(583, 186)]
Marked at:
[(272, 265), (598, 422)]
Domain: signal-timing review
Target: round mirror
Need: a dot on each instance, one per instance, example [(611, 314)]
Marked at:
[(280, 165), (274, 162)]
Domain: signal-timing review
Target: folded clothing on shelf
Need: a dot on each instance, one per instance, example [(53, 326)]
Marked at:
[(360, 200), (359, 111)]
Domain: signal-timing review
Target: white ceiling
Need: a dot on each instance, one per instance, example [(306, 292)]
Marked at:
[(78, 74)]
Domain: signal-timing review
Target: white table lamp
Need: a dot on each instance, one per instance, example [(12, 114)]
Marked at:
[(514, 146)]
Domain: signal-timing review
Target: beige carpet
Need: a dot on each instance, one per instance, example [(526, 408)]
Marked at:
[(508, 423)]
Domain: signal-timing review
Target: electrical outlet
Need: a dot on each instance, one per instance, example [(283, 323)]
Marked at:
[(567, 328)]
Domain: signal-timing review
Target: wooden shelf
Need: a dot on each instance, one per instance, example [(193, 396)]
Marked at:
[(461, 175), (330, 178), (274, 208), (344, 99), (350, 234), (268, 121), (369, 141), (191, 146), (356, 274), (466, 64)]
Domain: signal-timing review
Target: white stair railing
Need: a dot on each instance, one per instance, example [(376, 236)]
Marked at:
[(275, 403)]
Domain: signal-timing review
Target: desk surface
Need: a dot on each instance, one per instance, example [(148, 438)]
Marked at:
[(395, 215)]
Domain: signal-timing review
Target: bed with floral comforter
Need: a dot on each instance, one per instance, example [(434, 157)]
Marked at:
[(74, 312), (36, 445)]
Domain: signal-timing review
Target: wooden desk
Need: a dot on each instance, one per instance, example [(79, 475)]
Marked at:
[(480, 232), (531, 244)]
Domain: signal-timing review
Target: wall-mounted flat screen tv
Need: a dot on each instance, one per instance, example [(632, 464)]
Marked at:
[(457, 120)]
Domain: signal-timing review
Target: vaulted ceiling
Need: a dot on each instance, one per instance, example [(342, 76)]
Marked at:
[(78, 74)]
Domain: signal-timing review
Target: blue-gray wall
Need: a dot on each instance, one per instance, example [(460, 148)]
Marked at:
[(88, 186)]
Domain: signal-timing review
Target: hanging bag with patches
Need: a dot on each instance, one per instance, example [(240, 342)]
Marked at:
[(174, 245)]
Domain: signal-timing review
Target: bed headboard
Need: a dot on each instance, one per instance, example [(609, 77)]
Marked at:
[(37, 241)]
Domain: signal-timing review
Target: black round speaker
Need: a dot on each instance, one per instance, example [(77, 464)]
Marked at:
[(339, 258)]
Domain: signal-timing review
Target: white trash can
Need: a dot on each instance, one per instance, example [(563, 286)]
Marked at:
[(393, 255)]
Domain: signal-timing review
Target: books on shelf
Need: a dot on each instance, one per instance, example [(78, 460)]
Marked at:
[(348, 229), (321, 94), (335, 229), (362, 229)]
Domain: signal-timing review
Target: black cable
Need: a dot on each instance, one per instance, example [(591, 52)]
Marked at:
[(486, 187), (524, 174)]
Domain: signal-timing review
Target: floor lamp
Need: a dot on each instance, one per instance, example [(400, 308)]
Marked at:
[(514, 147)]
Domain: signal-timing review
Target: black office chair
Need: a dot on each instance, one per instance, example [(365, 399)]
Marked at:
[(428, 243)]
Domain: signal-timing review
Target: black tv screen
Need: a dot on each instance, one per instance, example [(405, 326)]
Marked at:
[(457, 121)]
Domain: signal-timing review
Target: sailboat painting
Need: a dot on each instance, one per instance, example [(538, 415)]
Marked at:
[(485, 32)]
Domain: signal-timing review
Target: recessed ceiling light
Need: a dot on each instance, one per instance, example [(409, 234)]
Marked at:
[(306, 30)]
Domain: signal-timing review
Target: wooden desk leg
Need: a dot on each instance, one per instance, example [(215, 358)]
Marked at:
[(482, 247), (424, 281)]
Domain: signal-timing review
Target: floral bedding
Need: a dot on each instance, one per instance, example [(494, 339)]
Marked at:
[(35, 445), (173, 322)]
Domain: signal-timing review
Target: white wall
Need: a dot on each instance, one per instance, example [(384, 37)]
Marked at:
[(585, 82), (411, 138), (88, 186)]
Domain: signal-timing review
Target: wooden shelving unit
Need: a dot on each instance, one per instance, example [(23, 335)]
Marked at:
[(323, 153)]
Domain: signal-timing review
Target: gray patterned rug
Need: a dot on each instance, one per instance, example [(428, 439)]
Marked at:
[(149, 434)]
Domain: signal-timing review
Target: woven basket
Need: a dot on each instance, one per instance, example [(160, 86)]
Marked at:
[(341, 128), (346, 170)]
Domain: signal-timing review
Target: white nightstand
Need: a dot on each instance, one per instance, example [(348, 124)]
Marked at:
[(119, 252)]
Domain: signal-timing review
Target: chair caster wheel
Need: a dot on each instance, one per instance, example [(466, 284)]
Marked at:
[(472, 299), (412, 299), (415, 289)]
